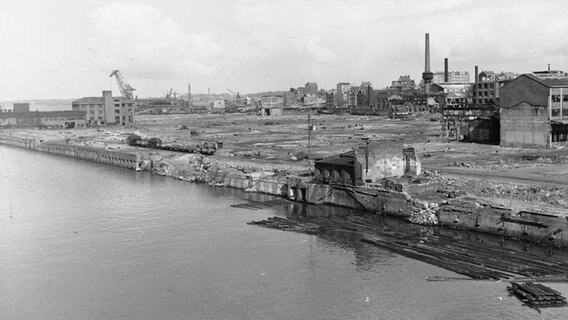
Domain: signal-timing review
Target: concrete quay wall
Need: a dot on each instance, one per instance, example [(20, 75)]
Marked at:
[(115, 158), (388, 202), (459, 214), (19, 142), (543, 228)]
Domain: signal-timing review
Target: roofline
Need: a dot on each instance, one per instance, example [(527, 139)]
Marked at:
[(525, 101)]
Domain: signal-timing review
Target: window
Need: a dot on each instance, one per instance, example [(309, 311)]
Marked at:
[(556, 112), (555, 98), (565, 98)]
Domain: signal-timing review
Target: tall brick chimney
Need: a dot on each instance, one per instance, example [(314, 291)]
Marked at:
[(427, 75), (446, 75)]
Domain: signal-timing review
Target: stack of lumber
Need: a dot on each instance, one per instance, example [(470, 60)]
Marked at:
[(536, 295), (473, 259)]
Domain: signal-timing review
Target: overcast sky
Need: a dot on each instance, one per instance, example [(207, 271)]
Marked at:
[(67, 49)]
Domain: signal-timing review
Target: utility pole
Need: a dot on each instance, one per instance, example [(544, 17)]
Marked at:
[(366, 155), (309, 134)]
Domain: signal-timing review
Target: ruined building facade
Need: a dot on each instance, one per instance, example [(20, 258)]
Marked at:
[(367, 165)]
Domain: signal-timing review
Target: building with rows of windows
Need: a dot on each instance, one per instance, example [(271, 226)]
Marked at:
[(106, 110)]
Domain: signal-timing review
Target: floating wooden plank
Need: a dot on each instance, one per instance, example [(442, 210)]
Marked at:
[(536, 295)]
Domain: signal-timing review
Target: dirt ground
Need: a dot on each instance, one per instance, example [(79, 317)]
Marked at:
[(509, 176)]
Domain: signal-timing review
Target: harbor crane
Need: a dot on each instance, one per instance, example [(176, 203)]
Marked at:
[(125, 88)]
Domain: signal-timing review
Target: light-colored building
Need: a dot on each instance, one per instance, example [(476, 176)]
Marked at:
[(106, 110), (551, 74), (453, 77), (272, 105), (218, 105), (451, 87), (342, 94)]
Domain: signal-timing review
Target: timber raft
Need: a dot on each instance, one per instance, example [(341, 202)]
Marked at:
[(476, 260), (536, 295)]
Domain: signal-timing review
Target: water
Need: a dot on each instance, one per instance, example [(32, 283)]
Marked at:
[(80, 240)]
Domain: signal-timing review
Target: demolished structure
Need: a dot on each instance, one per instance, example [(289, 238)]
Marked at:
[(367, 165)]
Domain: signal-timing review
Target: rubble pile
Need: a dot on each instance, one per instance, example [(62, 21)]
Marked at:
[(452, 187), (424, 213), (550, 195)]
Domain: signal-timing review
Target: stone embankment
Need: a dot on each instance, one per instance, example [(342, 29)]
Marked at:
[(457, 211)]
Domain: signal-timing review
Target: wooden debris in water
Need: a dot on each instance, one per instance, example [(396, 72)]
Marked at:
[(257, 205), (536, 295), (472, 259)]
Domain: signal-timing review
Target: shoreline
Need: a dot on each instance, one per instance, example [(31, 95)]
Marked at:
[(454, 212)]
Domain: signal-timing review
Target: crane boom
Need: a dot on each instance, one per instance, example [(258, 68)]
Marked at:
[(125, 88)]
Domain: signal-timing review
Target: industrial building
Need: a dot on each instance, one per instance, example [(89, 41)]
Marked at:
[(485, 90), (21, 116), (534, 112), (403, 83), (271, 105), (451, 77), (106, 110)]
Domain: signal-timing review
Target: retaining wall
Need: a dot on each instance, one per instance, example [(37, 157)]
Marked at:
[(375, 200), (115, 158), (532, 226)]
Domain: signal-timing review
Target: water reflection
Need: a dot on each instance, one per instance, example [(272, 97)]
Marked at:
[(393, 224)]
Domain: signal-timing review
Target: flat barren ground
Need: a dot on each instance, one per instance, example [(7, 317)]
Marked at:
[(509, 176)]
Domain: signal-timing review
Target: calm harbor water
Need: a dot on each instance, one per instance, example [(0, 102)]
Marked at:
[(80, 240)]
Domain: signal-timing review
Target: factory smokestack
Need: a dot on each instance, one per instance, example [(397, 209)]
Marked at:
[(475, 80), (446, 74), (427, 74), (427, 54), (476, 74)]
